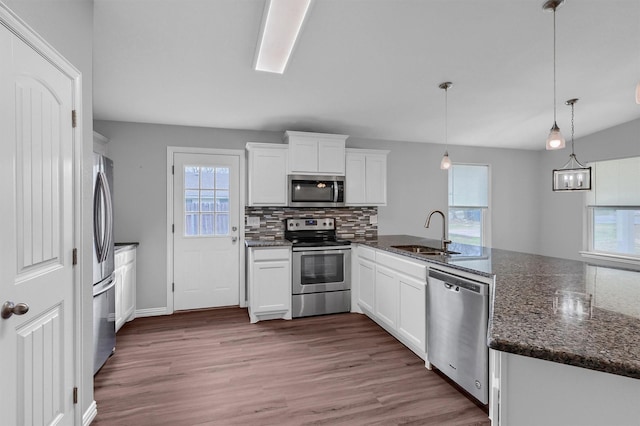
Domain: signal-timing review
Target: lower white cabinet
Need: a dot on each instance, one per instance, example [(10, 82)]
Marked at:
[(391, 290), (125, 270), (269, 283)]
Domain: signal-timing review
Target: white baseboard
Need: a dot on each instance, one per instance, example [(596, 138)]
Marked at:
[(151, 312), (90, 414)]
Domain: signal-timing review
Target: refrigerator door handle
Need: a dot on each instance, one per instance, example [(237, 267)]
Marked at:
[(98, 237), (109, 217)]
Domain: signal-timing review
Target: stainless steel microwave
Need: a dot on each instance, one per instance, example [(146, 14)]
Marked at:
[(316, 191)]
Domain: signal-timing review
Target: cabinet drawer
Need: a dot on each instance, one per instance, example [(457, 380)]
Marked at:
[(408, 267), (271, 254), (123, 257), (367, 253)]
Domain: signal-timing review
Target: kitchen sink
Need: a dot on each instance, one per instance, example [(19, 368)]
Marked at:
[(429, 251)]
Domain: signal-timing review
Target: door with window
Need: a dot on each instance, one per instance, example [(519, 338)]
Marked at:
[(206, 250)]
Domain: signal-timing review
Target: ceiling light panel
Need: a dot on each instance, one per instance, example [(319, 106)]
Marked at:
[(281, 26)]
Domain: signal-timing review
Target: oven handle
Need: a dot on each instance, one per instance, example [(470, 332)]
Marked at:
[(317, 250)]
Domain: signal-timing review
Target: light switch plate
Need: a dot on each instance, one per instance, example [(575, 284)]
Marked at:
[(373, 219), (253, 221)]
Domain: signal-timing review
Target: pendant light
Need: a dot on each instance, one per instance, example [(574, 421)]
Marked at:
[(573, 176), (555, 140), (638, 93), (445, 164)]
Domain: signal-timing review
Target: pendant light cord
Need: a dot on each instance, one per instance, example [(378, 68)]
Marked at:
[(572, 127), (446, 118), (554, 66)]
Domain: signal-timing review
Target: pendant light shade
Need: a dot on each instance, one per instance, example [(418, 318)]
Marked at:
[(445, 164), (638, 93), (573, 176), (555, 140)]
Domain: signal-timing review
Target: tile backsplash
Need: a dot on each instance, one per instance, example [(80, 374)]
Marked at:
[(351, 222)]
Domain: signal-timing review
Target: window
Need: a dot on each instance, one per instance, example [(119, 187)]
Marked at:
[(206, 201), (469, 204), (613, 209)]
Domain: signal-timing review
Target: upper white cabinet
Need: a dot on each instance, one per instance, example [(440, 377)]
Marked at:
[(267, 180), (316, 153), (366, 177)]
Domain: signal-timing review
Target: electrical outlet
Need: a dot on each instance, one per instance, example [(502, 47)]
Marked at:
[(253, 221), (373, 219)]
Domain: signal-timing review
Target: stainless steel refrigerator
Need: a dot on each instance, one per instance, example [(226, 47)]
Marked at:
[(104, 301)]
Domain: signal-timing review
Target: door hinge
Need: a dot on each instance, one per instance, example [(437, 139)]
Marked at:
[(173, 228), (74, 257), (75, 395), (173, 170), (173, 287), (74, 119)]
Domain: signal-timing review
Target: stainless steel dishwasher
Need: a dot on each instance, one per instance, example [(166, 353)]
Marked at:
[(457, 317)]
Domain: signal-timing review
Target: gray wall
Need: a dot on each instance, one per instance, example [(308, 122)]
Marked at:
[(562, 215), (68, 26), (416, 185), (139, 154)]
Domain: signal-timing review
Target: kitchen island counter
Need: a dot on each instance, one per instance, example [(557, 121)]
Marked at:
[(559, 310)]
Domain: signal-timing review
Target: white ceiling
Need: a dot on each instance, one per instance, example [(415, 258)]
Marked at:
[(371, 68)]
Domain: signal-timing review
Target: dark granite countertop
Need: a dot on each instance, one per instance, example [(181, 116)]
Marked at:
[(125, 246), (267, 243), (559, 310)]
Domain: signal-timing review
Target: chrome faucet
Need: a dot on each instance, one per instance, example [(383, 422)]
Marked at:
[(444, 242)]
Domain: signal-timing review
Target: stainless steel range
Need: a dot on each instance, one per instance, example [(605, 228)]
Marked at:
[(321, 267)]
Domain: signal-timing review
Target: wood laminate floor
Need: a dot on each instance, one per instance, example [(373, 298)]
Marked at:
[(213, 367)]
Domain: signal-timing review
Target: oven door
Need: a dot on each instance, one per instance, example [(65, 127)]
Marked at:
[(317, 270)]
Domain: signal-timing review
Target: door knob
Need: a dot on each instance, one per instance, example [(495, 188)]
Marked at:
[(9, 308), (234, 239)]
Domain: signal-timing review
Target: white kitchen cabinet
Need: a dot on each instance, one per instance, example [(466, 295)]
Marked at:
[(386, 287), (391, 290), (366, 270), (267, 177), (412, 310), (366, 177), (125, 272), (531, 391), (269, 283), (316, 153)]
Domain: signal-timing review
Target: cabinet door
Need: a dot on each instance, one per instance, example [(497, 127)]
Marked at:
[(271, 290), (129, 291), (376, 180), (118, 294), (268, 177), (366, 279), (386, 295), (331, 157), (355, 178), (303, 155), (412, 310)]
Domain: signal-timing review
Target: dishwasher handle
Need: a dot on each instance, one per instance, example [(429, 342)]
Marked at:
[(454, 282)]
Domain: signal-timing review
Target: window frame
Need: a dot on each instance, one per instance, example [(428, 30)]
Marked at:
[(485, 221), (589, 224)]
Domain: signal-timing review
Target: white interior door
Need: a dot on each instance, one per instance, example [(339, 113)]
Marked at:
[(206, 213), (36, 235)]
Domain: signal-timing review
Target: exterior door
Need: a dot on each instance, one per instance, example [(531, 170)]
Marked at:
[(36, 234), (206, 211)]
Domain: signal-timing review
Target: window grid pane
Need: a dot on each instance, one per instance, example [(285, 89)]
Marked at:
[(206, 201), (465, 225), (616, 230)]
